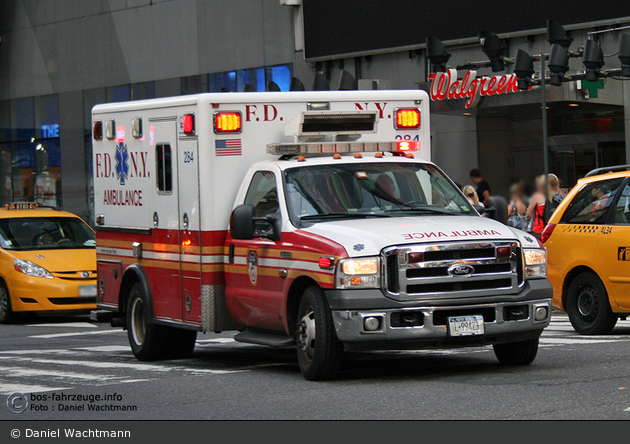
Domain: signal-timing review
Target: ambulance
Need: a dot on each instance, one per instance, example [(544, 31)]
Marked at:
[(313, 220)]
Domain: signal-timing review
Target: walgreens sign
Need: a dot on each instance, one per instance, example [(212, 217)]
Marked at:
[(446, 86)]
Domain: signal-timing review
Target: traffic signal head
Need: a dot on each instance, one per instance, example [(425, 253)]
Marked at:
[(524, 69), (624, 55), (436, 51), (558, 64), (494, 48), (593, 60), (557, 35)]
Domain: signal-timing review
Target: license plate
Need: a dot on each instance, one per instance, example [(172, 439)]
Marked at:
[(87, 291), (466, 325)]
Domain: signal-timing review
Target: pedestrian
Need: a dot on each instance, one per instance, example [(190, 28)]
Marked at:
[(471, 195), (536, 210), (482, 187), (517, 209)]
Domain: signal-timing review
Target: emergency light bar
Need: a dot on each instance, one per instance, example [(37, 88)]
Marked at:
[(305, 149)]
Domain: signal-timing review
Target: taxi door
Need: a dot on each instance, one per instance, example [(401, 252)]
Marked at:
[(614, 250), (255, 278)]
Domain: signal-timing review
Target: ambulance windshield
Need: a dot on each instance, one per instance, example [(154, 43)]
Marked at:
[(346, 191), (45, 233)]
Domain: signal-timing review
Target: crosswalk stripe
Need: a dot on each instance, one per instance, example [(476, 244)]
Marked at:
[(82, 333)]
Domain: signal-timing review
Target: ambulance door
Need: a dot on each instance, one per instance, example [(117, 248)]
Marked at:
[(163, 259), (190, 253)]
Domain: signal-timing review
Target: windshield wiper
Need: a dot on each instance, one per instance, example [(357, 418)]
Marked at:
[(423, 209), (342, 216)]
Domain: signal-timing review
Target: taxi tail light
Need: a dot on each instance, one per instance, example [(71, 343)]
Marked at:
[(227, 122), (188, 123), (97, 130), (407, 145), (547, 232), (407, 118)]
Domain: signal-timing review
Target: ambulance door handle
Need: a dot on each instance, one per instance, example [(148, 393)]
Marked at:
[(185, 221)]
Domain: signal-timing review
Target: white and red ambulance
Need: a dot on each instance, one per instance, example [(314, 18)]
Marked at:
[(306, 219)]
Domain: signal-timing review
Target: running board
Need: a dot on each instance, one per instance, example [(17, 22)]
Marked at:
[(265, 337)]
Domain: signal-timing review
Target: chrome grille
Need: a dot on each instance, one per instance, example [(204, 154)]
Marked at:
[(414, 272)]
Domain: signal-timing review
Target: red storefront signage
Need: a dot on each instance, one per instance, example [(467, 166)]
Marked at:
[(446, 86)]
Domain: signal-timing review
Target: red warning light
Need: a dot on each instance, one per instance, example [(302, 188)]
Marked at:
[(408, 145), (188, 123)]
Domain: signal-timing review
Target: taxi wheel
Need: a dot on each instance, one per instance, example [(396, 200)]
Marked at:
[(318, 349), (6, 313), (517, 353), (148, 341), (588, 307)]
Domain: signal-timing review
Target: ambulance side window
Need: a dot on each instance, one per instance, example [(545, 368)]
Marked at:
[(164, 168), (263, 194)]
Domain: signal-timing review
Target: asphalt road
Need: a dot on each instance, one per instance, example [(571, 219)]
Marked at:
[(56, 359)]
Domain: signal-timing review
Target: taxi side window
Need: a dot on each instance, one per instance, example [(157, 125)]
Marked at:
[(164, 168), (592, 203), (622, 209), (263, 193)]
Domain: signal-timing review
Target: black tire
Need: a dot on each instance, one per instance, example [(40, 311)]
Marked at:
[(180, 343), (148, 341), (517, 353), (6, 312), (588, 307), (318, 349)]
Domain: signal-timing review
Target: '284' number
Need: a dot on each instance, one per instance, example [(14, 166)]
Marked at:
[(407, 137), (189, 157)]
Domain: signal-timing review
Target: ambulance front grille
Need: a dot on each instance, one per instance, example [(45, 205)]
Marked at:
[(417, 272)]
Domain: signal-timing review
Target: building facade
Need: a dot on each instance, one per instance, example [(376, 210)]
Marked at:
[(60, 58)]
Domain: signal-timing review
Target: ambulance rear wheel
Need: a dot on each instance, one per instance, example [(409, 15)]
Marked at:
[(148, 341), (318, 349)]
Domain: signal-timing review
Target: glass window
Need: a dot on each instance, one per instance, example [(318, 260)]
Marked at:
[(223, 82), (118, 94), (622, 209), (263, 193), (141, 91), (371, 190), (590, 205), (45, 233), (5, 121), (195, 84), (164, 168), (281, 75)]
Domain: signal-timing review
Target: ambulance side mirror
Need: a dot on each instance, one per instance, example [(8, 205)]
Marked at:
[(243, 224)]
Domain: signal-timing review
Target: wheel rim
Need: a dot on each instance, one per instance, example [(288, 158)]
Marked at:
[(4, 303), (306, 333), (587, 303), (138, 326)]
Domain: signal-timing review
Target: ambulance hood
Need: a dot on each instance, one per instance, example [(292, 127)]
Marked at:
[(367, 237)]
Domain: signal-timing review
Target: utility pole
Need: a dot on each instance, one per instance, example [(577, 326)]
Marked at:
[(543, 86)]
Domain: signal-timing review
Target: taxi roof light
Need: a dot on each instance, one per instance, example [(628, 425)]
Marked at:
[(228, 122), (407, 118)]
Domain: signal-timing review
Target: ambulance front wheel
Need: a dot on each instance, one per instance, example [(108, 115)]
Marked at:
[(318, 349), (148, 341)]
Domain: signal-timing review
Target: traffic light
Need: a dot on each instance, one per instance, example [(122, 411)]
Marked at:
[(556, 35), (347, 81), (321, 83), (593, 60), (524, 69), (624, 55), (436, 51), (494, 48), (558, 64)]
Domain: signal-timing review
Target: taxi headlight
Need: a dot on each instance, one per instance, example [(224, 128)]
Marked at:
[(535, 263), (358, 273), (31, 269)]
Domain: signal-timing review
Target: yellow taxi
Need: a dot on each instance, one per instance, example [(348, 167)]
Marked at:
[(588, 247), (47, 261)]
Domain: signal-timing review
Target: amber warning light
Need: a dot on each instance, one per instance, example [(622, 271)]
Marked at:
[(227, 122), (407, 118)]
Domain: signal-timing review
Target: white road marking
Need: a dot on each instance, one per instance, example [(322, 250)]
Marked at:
[(216, 340), (19, 372), (7, 389), (92, 364), (106, 348), (82, 333), (66, 325)]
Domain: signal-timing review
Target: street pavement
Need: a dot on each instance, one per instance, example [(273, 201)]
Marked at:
[(63, 363)]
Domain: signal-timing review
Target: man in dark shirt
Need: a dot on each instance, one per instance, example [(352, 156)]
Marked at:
[(483, 189)]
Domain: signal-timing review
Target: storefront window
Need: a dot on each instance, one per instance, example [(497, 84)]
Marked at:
[(195, 84), (141, 91), (91, 98), (235, 81)]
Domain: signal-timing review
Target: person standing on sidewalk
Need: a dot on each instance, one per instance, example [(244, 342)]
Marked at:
[(483, 188)]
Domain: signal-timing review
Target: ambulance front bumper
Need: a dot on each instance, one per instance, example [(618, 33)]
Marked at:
[(361, 323)]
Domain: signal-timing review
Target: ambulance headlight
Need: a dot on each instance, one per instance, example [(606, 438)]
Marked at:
[(535, 263), (358, 273)]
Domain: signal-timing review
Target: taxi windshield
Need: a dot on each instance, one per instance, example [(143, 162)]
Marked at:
[(50, 233), (388, 189)]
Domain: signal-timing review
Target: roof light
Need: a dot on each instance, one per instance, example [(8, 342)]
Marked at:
[(358, 156), (21, 206), (336, 156), (136, 127), (410, 156), (407, 118), (407, 145), (110, 129), (379, 155), (97, 130), (227, 122), (301, 159), (188, 123)]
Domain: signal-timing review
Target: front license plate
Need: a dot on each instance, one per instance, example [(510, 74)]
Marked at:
[(87, 291), (466, 325)]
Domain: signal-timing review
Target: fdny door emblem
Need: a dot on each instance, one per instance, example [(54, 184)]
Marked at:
[(122, 163), (252, 266), (461, 270)]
